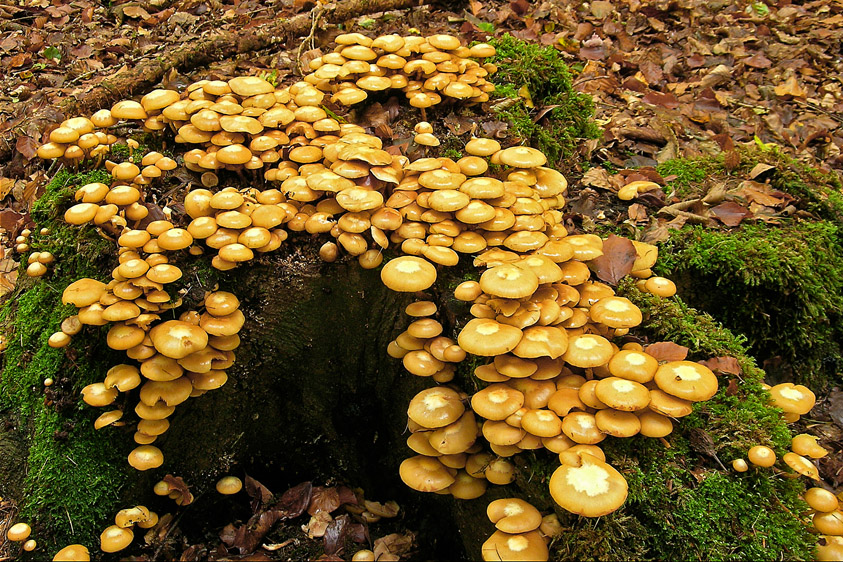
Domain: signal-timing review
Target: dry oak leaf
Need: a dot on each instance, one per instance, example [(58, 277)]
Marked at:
[(790, 87), (617, 259), (667, 351), (730, 214)]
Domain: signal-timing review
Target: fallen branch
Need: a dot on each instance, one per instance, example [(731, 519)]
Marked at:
[(219, 46)]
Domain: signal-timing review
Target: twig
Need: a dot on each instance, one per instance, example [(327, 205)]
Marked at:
[(315, 14)]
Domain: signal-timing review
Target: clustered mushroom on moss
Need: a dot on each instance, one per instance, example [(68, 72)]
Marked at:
[(554, 379)]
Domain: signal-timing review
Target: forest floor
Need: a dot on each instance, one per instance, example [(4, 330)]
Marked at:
[(734, 108)]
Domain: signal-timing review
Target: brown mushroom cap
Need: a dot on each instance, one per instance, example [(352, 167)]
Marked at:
[(622, 394), (425, 474), (591, 489), (523, 546), (687, 380), (633, 365), (509, 281), (588, 350), (436, 407)]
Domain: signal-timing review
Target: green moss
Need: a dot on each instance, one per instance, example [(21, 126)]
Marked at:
[(783, 287), (690, 174), (74, 474), (548, 80), (681, 505)]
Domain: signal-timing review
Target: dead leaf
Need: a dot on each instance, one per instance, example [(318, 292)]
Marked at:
[(760, 169), (790, 87), (323, 499), (27, 146), (667, 351), (177, 484), (259, 493), (725, 365), (393, 545), (334, 536), (758, 60), (616, 261), (135, 12), (730, 214), (317, 525), (597, 177), (668, 101)]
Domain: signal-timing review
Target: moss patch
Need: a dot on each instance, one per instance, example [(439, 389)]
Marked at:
[(74, 474), (548, 80), (783, 287)]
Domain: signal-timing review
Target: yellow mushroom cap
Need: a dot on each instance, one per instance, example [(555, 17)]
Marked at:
[(228, 485), (425, 474), (73, 553), (487, 337), (759, 455), (829, 548), (408, 274), (807, 446), (793, 399), (127, 517), (18, 532), (146, 457), (687, 380), (497, 401), (801, 465), (177, 339), (436, 407), (523, 546), (593, 488), (588, 350), (513, 515), (115, 538), (821, 500), (83, 292)]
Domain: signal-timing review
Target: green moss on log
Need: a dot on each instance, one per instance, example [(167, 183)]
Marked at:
[(548, 79), (74, 474), (782, 286)]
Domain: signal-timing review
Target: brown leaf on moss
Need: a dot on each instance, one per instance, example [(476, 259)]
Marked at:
[(724, 365), (667, 351), (730, 214), (617, 259)]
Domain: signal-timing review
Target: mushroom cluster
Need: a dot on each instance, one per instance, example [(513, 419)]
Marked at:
[(427, 69), (553, 378), (37, 262), (178, 359), (19, 533), (120, 535)]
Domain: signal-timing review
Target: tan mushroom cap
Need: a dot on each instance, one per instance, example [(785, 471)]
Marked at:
[(588, 350), (467, 487), (177, 339), (408, 274), (793, 399), (513, 515), (509, 281), (541, 423), (497, 401), (425, 474), (436, 407), (83, 292), (667, 405), (228, 485), (146, 457), (542, 341), (18, 532), (687, 380), (829, 523), (115, 538), (616, 312), (248, 86), (486, 337), (456, 437), (801, 465), (633, 365), (73, 553), (581, 427), (822, 500), (762, 456), (806, 445), (523, 546), (97, 394), (591, 489), (617, 423), (622, 394), (107, 419)]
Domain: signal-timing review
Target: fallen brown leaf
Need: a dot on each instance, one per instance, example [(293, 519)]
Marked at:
[(730, 214), (667, 351), (725, 365), (616, 262)]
